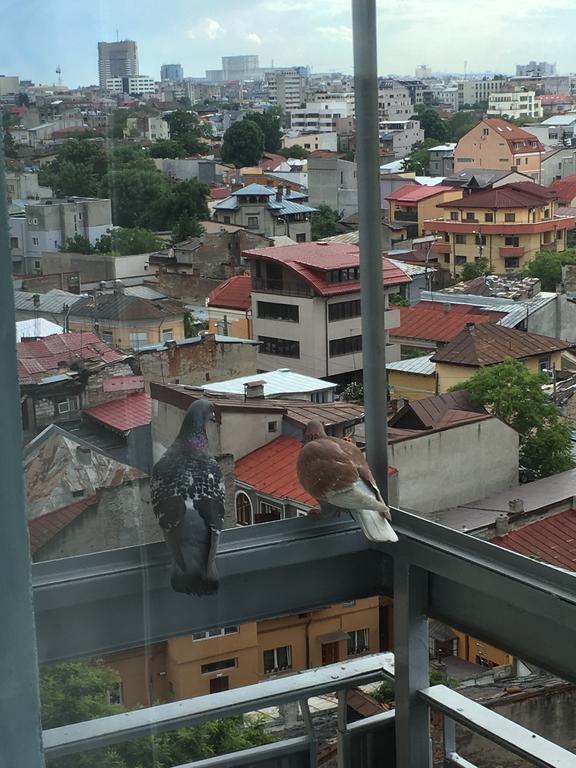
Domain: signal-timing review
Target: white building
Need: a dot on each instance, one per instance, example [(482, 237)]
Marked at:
[(319, 116), (394, 102), (311, 140), (514, 104), (151, 128), (401, 135), (286, 88), (135, 84)]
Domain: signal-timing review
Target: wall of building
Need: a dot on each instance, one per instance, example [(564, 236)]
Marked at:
[(229, 322), (198, 364), (411, 386), (121, 330), (95, 267), (333, 182), (476, 150), (143, 675), (327, 140), (558, 165), (434, 471)]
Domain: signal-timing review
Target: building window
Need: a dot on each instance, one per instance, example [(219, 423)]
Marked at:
[(116, 693), (218, 666), (509, 217), (272, 426), (280, 347), (268, 513), (343, 310), (546, 213), (268, 310), (253, 222), (488, 217), (301, 237), (106, 337), (137, 340), (485, 131), (278, 659), (512, 242), (243, 509), (446, 258), (460, 260), (34, 241), (460, 239), (346, 346), (511, 262), (67, 405), (37, 264), (13, 242), (344, 275), (218, 632), (454, 216), (470, 216), (544, 364), (226, 219), (358, 642)]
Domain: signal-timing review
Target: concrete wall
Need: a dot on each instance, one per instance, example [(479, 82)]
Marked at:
[(454, 466), (95, 267), (333, 181), (558, 165)]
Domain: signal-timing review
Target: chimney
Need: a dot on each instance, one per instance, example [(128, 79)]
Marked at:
[(502, 524), (84, 456), (515, 506), (279, 194), (254, 390), (119, 288), (470, 326)]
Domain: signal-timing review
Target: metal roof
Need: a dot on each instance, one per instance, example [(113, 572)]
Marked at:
[(276, 383), (411, 269), (125, 414), (516, 312), (37, 327), (52, 302), (421, 365), (552, 540), (144, 292), (195, 340), (566, 119)]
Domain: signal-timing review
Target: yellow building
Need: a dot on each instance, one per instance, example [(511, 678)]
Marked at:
[(498, 145), (412, 379), (489, 344), (414, 204), (506, 225), (230, 307)]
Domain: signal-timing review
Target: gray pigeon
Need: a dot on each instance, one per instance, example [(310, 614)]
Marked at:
[(188, 500)]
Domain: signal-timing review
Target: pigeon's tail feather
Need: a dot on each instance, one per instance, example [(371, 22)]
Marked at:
[(374, 525), (193, 583)]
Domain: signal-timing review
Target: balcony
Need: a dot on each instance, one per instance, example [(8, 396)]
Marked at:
[(279, 286), (444, 248), (407, 214), (509, 250)]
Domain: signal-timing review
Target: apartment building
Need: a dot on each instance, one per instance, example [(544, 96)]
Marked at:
[(119, 59), (514, 104), (286, 88), (133, 85), (499, 145), (46, 225), (332, 181), (319, 116), (506, 225), (441, 159), (311, 140), (151, 128), (474, 91), (399, 136), (394, 102), (306, 310)]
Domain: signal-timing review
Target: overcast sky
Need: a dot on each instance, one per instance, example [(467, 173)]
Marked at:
[(37, 35)]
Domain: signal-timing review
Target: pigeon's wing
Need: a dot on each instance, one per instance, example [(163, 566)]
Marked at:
[(212, 513), (357, 458), (322, 467)]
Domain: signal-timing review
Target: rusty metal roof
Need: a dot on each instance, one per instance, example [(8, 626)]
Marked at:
[(551, 540)]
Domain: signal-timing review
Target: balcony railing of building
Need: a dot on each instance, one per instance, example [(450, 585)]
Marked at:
[(279, 286), (441, 248), (512, 250), (121, 599), (405, 215)]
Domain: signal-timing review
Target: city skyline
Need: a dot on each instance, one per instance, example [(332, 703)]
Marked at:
[(411, 32)]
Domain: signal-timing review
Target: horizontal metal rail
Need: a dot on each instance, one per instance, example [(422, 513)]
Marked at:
[(122, 598), (102, 732), (498, 729), (256, 755), (383, 720)]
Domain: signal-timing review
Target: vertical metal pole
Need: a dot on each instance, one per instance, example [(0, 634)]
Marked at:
[(343, 738), (411, 665), (371, 273), (21, 734)]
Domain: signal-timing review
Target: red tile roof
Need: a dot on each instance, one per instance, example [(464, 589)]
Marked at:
[(489, 344), (123, 415), (219, 193), (523, 194), (438, 324), (271, 469), (233, 293), (271, 161), (39, 357), (565, 189), (412, 193), (43, 528), (512, 133), (552, 540), (312, 261)]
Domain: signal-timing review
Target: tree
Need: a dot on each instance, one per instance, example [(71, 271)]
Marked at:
[(515, 395), (78, 244), (78, 169), (295, 151), (186, 226), (139, 197), (243, 144), (167, 148), (269, 123), (77, 691), (461, 122), (547, 267), (324, 222), (474, 269), (188, 131), (434, 126), (354, 392), (128, 241), (418, 161)]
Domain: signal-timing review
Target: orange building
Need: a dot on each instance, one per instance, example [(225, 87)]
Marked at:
[(412, 204), (498, 145), (230, 308)]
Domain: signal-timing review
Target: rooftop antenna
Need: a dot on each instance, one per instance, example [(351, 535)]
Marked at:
[(59, 73), (465, 69)]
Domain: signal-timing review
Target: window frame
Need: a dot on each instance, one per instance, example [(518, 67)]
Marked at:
[(276, 665)]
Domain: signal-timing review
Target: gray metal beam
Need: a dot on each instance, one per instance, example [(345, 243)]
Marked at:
[(369, 227), (257, 755), (508, 734), (19, 695), (115, 729), (122, 598)]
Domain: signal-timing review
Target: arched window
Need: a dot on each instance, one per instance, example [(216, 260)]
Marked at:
[(243, 509)]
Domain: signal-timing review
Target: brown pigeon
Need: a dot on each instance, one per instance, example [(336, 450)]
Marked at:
[(336, 473)]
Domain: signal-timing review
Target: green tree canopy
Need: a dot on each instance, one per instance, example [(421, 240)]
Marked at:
[(515, 395), (433, 125), (76, 691), (188, 131), (473, 269), (77, 170), (78, 244), (547, 267), (186, 226), (461, 122), (418, 161), (138, 197), (295, 151), (167, 148), (243, 144), (128, 241), (324, 222), (270, 124)]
